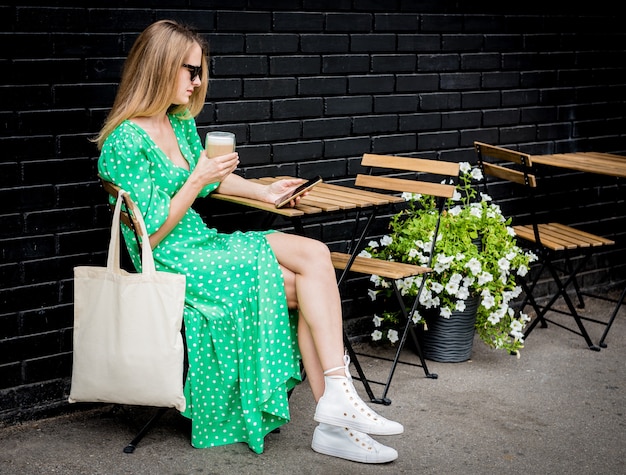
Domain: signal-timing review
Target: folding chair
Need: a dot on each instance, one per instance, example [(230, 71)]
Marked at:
[(393, 271), (552, 242)]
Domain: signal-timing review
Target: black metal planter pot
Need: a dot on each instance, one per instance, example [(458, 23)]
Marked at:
[(450, 340)]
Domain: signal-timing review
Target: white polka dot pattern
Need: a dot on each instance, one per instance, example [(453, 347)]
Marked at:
[(241, 338)]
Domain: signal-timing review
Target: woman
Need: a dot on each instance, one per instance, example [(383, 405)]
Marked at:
[(256, 301)]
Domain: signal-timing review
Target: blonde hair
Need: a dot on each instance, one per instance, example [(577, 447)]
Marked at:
[(150, 74)]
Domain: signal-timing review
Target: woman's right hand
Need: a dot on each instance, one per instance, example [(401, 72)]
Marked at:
[(216, 169)]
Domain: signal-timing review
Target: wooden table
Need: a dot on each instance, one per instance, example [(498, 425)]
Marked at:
[(323, 198), (591, 162)]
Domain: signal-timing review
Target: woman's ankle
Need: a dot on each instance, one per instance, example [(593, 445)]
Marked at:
[(335, 372)]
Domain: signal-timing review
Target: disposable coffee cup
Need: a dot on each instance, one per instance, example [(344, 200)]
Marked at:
[(219, 143)]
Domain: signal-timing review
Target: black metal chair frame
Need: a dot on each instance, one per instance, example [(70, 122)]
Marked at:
[(391, 164), (582, 245)]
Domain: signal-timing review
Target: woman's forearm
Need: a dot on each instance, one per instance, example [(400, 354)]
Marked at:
[(179, 205), (235, 185)]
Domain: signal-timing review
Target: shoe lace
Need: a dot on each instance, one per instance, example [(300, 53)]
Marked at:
[(345, 367)]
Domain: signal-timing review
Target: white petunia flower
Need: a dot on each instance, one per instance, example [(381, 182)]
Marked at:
[(442, 263), (516, 326), (465, 167), (452, 287), (445, 312), (494, 318), (474, 266), (487, 299), (477, 174), (463, 293), (386, 240), (484, 277), (376, 335), (476, 210), (504, 264), (416, 317), (455, 210), (436, 287)]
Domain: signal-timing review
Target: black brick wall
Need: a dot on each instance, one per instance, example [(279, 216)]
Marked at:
[(307, 86)]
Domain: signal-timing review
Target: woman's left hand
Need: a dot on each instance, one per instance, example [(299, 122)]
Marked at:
[(280, 188)]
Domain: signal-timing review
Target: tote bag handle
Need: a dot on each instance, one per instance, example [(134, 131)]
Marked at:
[(113, 259)]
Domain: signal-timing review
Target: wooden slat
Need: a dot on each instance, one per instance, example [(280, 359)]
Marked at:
[(361, 198), (323, 203), (110, 188), (402, 185), (558, 237), (581, 236), (503, 153), (438, 167), (509, 174), (372, 266), (126, 217), (603, 156), (289, 212)]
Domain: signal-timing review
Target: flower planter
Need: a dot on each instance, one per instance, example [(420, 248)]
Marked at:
[(450, 340), (460, 268)]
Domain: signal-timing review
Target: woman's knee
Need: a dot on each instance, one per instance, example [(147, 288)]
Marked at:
[(318, 250), (299, 253)]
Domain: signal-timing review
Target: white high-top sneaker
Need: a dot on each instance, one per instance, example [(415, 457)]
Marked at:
[(350, 444), (342, 406)]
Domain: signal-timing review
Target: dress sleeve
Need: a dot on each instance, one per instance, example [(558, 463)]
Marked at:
[(124, 160)]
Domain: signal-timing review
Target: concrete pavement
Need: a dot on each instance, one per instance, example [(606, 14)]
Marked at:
[(560, 408)]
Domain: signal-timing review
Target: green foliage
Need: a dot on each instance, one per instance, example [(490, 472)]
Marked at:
[(475, 254)]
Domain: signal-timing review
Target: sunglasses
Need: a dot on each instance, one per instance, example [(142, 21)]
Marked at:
[(195, 71)]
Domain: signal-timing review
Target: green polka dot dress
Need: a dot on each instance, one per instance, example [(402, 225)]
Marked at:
[(241, 338)]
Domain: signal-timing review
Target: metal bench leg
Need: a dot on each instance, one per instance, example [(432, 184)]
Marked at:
[(613, 315), (132, 445), (361, 373), (562, 291)]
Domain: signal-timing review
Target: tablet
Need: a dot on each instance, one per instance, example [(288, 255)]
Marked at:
[(306, 186)]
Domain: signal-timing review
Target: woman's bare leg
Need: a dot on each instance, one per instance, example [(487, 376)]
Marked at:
[(311, 286), (310, 360), (317, 295)]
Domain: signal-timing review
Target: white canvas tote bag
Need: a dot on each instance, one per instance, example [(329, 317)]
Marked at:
[(128, 346)]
